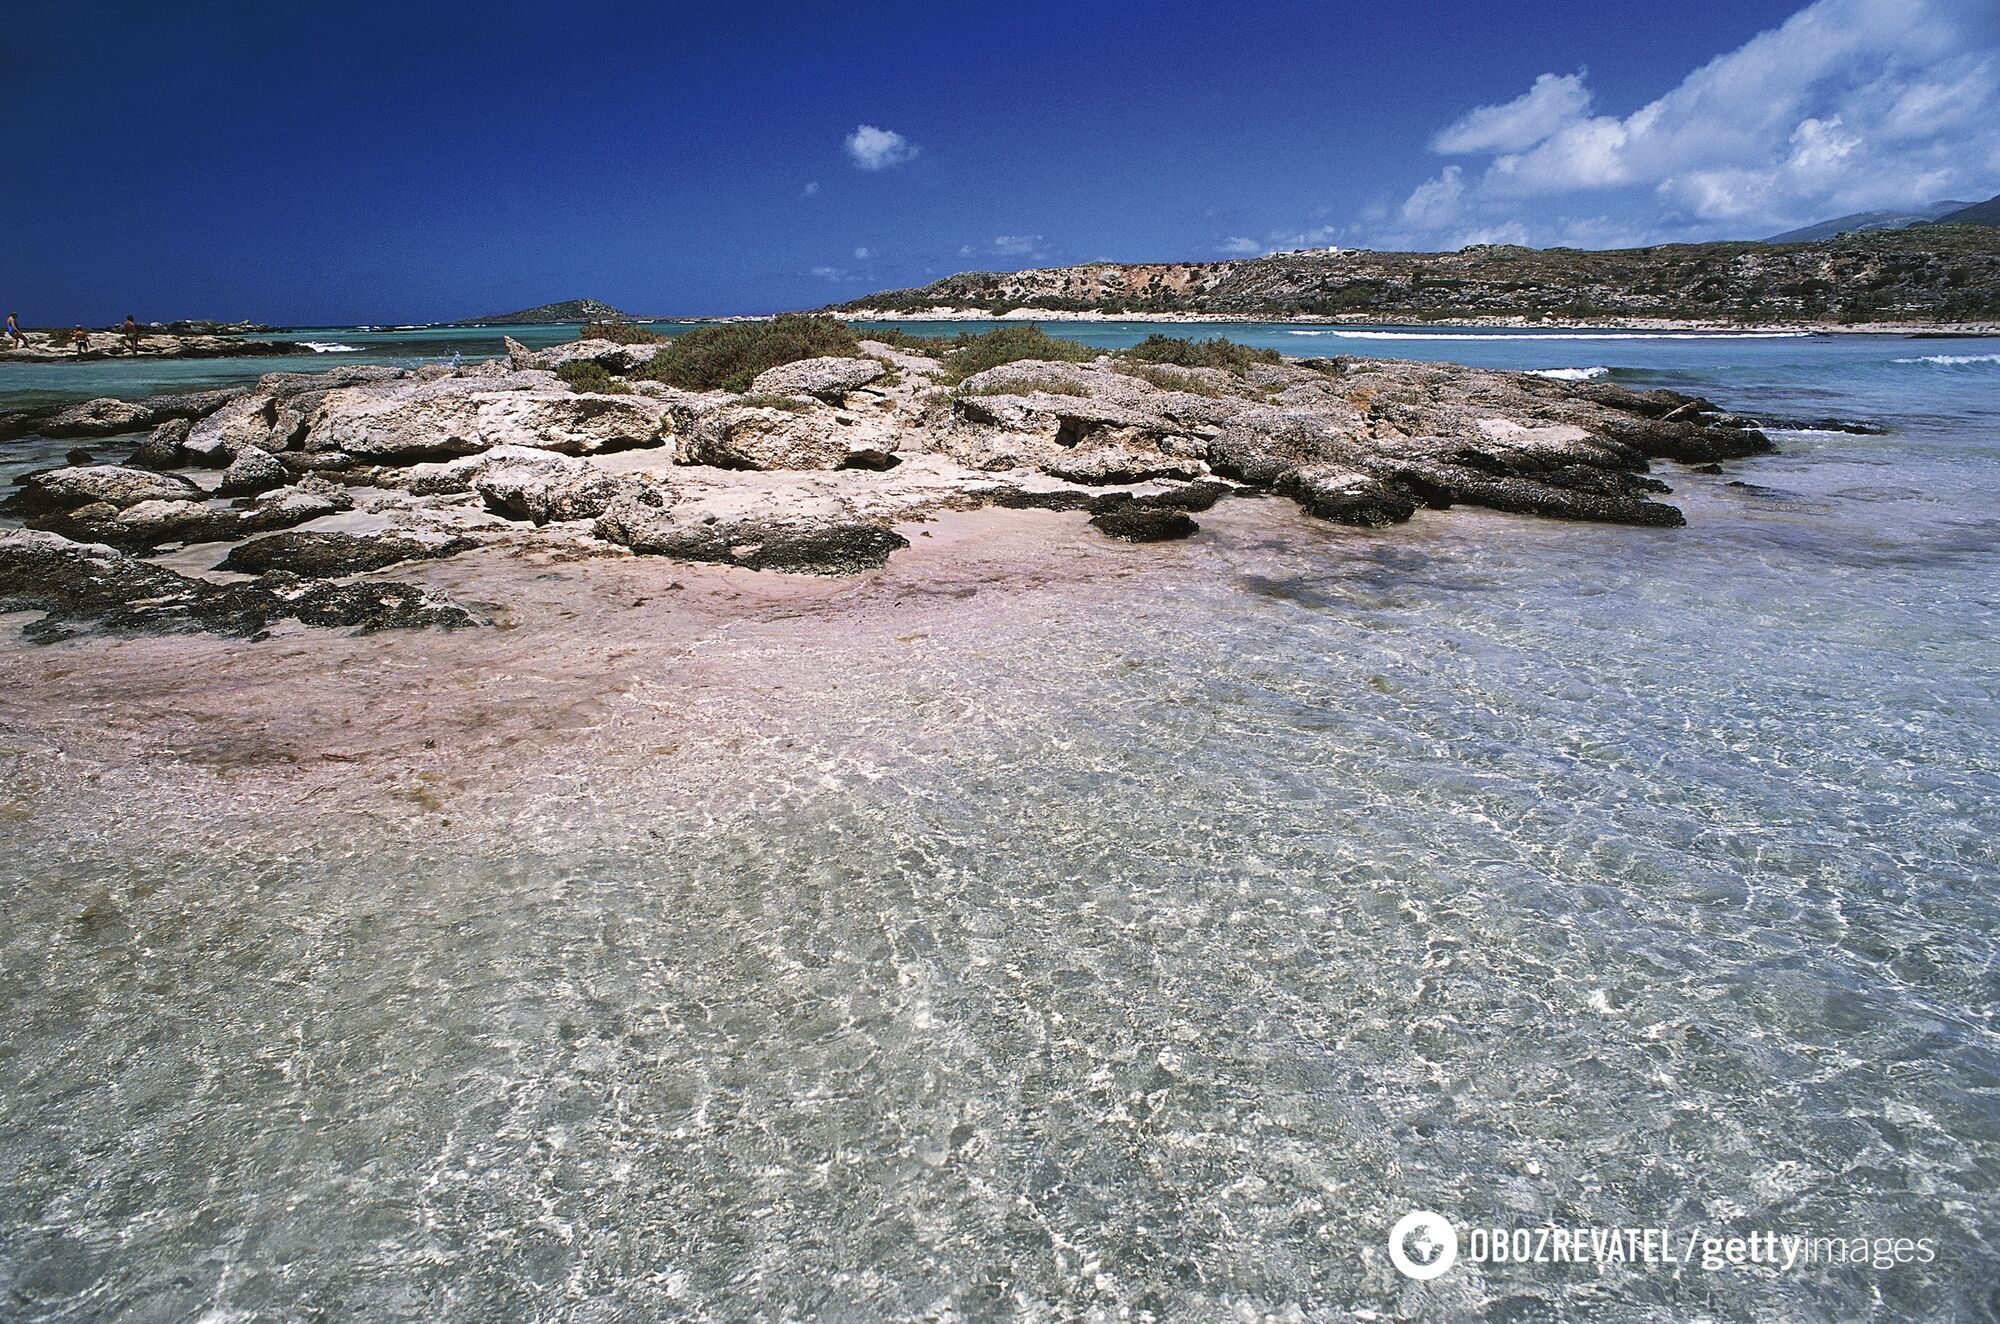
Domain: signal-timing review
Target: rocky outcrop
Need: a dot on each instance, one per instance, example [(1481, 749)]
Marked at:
[(153, 344), (76, 584), (108, 417), (818, 477), (828, 379)]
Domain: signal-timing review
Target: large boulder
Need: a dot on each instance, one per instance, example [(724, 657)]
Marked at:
[(537, 485), (828, 379)]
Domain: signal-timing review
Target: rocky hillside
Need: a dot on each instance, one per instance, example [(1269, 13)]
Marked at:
[(570, 310), (1924, 274)]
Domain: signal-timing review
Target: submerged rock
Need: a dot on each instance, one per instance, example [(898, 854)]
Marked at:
[(77, 585), (1136, 521)]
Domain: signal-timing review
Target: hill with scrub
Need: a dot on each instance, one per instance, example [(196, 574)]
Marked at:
[(1928, 273)]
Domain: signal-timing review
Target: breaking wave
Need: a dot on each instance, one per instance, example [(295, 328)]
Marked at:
[(330, 347), (1572, 374), (1954, 360)]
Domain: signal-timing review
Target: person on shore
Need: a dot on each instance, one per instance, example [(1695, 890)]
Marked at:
[(79, 340), (131, 330), (14, 332)]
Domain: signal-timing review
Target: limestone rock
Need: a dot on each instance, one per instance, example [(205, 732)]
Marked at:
[(253, 470), (460, 416), (541, 486), (65, 489), (829, 379), (328, 554), (162, 447), (803, 542), (236, 426)]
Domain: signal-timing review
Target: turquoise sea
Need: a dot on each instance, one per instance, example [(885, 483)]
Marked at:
[(1131, 944)]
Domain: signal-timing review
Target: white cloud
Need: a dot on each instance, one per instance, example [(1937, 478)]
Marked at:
[(862, 254), (1435, 203), (812, 187), (1846, 106), (1006, 246), (878, 149), (1553, 101), (1278, 241)]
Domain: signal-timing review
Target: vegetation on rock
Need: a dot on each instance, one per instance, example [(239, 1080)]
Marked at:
[(1216, 353), (1010, 344), (730, 356), (585, 375)]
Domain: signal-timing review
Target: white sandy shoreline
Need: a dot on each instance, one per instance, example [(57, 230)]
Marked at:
[(946, 314)]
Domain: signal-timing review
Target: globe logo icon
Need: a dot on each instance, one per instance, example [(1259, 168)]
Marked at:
[(1423, 1245)]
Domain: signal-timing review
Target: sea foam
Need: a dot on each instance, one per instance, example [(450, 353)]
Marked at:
[(1954, 360)]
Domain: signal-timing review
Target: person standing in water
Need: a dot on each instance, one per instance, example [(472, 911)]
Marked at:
[(131, 330), (14, 332)]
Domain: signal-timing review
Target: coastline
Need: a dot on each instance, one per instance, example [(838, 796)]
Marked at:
[(1661, 324)]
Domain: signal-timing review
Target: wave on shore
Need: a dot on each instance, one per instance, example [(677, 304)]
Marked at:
[(1954, 360), (330, 347), (1591, 373)]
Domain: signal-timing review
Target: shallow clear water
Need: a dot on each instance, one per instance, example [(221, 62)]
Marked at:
[(1145, 935)]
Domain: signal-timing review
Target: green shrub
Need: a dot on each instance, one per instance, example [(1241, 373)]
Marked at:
[(730, 356), (1171, 379), (934, 346), (765, 400), (623, 333), (1010, 344), (1023, 385), (1216, 353), (583, 375)]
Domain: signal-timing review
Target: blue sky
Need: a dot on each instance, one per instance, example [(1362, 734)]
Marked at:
[(305, 162)]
